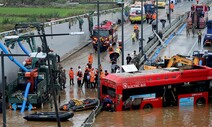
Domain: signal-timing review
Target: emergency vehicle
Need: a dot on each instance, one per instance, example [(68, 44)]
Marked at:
[(107, 35)]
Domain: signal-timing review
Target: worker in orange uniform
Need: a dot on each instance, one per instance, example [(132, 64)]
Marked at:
[(92, 78), (135, 27), (71, 76), (172, 6), (79, 76), (90, 58), (102, 74), (153, 17), (110, 49)]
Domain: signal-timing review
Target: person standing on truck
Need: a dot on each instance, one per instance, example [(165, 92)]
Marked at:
[(128, 58), (199, 33)]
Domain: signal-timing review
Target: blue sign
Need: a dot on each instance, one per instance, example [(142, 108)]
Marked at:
[(188, 101)]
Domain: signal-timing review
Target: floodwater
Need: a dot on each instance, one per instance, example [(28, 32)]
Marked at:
[(187, 116)]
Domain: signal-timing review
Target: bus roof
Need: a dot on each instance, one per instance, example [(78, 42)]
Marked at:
[(160, 76)]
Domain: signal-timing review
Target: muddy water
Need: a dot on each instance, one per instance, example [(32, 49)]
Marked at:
[(160, 117)]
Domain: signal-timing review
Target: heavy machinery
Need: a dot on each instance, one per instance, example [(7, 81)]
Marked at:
[(199, 58), (198, 16), (107, 35), (35, 72), (174, 61), (208, 36)]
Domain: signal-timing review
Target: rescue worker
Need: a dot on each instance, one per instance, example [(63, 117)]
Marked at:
[(133, 54), (172, 6), (63, 77), (199, 33), (163, 22), (128, 58), (110, 49), (92, 78), (106, 73), (120, 44), (90, 58), (153, 17), (79, 76), (102, 74), (107, 104), (148, 16), (135, 27), (71, 76), (133, 36), (86, 78)]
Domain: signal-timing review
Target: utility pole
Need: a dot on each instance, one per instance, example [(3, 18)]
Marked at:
[(98, 42), (141, 39)]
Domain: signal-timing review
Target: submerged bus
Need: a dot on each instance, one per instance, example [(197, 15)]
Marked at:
[(189, 85)]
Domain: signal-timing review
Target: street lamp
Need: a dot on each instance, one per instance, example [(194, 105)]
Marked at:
[(169, 13), (141, 39), (98, 42), (156, 16)]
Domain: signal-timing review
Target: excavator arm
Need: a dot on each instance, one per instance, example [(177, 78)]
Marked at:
[(179, 59)]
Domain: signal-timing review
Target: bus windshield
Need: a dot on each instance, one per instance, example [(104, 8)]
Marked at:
[(102, 33)]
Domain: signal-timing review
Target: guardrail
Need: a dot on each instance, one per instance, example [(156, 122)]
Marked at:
[(149, 48), (55, 22), (91, 118)]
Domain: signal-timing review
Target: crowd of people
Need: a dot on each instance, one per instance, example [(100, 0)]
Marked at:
[(89, 77)]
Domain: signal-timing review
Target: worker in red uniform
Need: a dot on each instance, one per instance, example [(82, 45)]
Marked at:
[(172, 6), (71, 76), (90, 58)]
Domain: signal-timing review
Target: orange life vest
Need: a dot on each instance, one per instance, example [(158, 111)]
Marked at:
[(154, 16), (171, 6), (92, 76), (90, 59), (71, 74)]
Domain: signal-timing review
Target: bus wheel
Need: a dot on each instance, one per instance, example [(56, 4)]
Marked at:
[(148, 106), (200, 101)]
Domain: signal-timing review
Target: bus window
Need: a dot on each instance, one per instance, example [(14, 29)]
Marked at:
[(108, 91)]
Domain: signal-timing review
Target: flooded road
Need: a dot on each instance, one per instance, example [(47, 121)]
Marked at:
[(161, 117)]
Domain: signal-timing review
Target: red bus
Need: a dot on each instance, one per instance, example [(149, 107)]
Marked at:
[(189, 85)]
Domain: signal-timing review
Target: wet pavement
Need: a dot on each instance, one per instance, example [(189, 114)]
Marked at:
[(161, 117)]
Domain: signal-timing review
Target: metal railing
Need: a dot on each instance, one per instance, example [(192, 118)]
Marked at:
[(150, 47)]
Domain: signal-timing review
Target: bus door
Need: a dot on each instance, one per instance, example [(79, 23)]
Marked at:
[(169, 96)]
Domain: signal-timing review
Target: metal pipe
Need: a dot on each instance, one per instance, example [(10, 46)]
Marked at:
[(3, 90), (122, 32), (98, 42), (51, 78)]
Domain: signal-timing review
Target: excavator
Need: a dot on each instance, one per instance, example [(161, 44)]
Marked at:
[(180, 60)]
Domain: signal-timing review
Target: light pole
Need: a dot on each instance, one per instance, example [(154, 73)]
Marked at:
[(169, 13), (98, 42), (141, 39), (122, 31), (156, 16)]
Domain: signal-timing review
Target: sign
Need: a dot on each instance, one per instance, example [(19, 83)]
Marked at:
[(144, 96), (188, 101), (129, 68)]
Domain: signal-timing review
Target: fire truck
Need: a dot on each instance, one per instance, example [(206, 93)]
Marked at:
[(107, 35), (198, 16)]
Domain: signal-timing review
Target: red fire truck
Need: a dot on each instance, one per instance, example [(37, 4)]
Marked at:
[(107, 35), (188, 85), (198, 16)]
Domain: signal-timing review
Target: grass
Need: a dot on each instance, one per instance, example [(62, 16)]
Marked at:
[(13, 15)]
